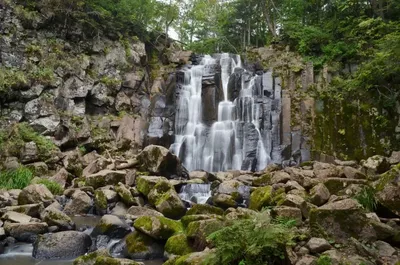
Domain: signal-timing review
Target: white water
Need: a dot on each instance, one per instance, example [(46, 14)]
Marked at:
[(196, 193), (226, 144)]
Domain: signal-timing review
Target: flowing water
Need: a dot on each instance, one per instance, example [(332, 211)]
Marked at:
[(246, 133), (195, 193)]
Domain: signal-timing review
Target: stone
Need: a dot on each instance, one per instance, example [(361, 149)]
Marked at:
[(39, 168), (119, 209), (224, 201), (326, 171), (11, 163), (15, 217), (105, 177), (178, 245), (198, 231), (340, 221), (318, 245), (394, 159), (25, 232), (111, 226), (160, 161), (32, 210), (159, 228), (55, 217), (29, 153), (62, 177), (384, 249), (280, 177), (103, 257), (141, 246), (291, 213), (204, 209), (353, 173), (137, 211), (307, 260), (292, 200), (164, 197), (35, 193), (95, 166), (61, 245), (145, 184), (203, 175), (130, 134), (388, 190), (335, 185), (319, 194), (375, 165), (261, 197), (125, 195), (5, 199), (79, 204)]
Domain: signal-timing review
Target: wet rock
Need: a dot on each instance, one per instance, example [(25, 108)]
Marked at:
[(54, 217), (164, 197), (140, 246), (111, 226), (158, 160), (105, 177), (319, 195), (196, 258), (137, 211), (35, 193), (318, 245), (61, 245), (25, 232), (203, 175), (119, 209), (178, 245), (80, 203), (159, 228)]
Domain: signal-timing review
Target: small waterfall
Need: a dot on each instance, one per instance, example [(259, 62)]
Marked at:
[(246, 132), (197, 193)]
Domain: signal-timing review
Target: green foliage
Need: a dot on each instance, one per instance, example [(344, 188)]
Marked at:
[(15, 179), (324, 260), (255, 241), (366, 197), (13, 139), (53, 186), (11, 78)]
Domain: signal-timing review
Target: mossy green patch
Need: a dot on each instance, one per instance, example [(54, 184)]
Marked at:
[(204, 209), (137, 242), (100, 200), (178, 245), (261, 197), (263, 180)]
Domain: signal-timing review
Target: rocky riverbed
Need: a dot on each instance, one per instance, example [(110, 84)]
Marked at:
[(132, 211)]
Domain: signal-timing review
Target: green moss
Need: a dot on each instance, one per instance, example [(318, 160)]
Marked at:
[(187, 219), (100, 200), (158, 227), (204, 209), (388, 177), (178, 245), (53, 186), (198, 231), (263, 180), (125, 194), (144, 223), (137, 242), (144, 186), (260, 197)]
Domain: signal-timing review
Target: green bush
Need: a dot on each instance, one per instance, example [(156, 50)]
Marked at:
[(367, 199), (53, 186), (256, 241), (15, 179)]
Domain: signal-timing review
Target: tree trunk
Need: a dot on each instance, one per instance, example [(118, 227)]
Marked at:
[(269, 18)]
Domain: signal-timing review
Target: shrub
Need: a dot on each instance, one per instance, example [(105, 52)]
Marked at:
[(15, 179), (252, 241), (366, 197), (324, 260), (53, 186)]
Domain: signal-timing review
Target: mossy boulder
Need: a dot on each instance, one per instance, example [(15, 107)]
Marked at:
[(145, 184), (319, 194), (105, 177), (160, 228), (141, 246), (125, 194), (178, 245), (135, 212), (187, 219), (262, 181), (198, 231), (102, 257), (204, 209), (224, 201), (196, 258), (112, 226), (166, 200), (375, 165), (35, 193), (388, 190), (100, 202), (335, 185), (25, 232), (341, 220), (55, 217), (261, 197)]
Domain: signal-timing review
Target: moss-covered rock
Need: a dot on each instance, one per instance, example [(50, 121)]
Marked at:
[(335, 185), (198, 231), (196, 258), (178, 245), (112, 226), (388, 190), (105, 177), (125, 194), (145, 184), (164, 197), (141, 246), (102, 257), (158, 227), (224, 201), (187, 219), (261, 197), (262, 181), (55, 217), (100, 202), (204, 209)]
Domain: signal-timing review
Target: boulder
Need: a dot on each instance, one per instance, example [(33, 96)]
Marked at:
[(385, 249), (25, 232), (145, 184), (335, 185), (103, 257), (203, 175), (160, 161), (292, 200), (204, 209), (137, 211), (164, 197), (111, 226), (178, 245), (340, 221), (388, 190), (159, 228), (318, 245), (32, 210), (62, 177), (15, 217), (307, 260), (353, 173), (375, 165), (195, 258), (261, 197), (105, 177), (30, 153), (198, 231), (119, 209), (125, 195), (237, 213), (140, 246), (224, 201), (54, 217), (79, 204), (61, 245), (35, 193), (286, 212), (319, 194), (5, 199)]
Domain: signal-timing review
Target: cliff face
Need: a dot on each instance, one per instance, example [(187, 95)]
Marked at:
[(101, 93)]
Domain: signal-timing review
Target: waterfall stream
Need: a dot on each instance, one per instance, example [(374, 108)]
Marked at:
[(244, 133)]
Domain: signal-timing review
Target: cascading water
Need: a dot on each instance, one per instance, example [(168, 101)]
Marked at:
[(196, 193), (245, 132)]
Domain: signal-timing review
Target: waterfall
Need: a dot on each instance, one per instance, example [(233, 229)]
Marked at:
[(197, 193), (244, 133)]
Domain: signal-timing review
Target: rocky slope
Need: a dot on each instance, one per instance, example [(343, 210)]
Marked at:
[(346, 213)]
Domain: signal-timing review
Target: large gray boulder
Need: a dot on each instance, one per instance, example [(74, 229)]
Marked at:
[(159, 160), (25, 232), (112, 226), (62, 245), (80, 203), (35, 193)]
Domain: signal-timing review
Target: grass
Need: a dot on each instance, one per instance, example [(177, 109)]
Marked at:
[(53, 186), (15, 179), (367, 198), (324, 260)]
